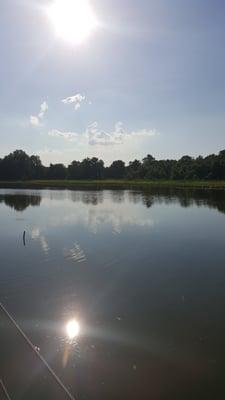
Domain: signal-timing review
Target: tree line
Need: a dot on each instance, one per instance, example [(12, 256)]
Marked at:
[(20, 166)]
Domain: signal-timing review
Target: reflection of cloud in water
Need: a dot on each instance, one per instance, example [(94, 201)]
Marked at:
[(113, 217), (96, 211), (93, 197), (116, 219), (37, 235), (44, 244), (75, 254)]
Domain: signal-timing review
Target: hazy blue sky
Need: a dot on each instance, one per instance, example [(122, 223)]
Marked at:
[(152, 74)]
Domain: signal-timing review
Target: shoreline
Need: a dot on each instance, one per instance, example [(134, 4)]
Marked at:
[(111, 184)]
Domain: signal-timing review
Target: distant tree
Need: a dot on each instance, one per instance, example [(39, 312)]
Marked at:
[(116, 170), (97, 168), (91, 168), (184, 168), (148, 159), (74, 170), (57, 171), (222, 154), (20, 166), (147, 166), (221, 158), (35, 168), (133, 169), (16, 166)]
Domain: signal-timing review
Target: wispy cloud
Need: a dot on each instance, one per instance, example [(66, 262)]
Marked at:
[(35, 120), (144, 132), (97, 137), (77, 99), (64, 135), (43, 110), (115, 137)]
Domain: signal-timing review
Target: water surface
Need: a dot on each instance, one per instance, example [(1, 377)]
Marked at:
[(142, 272)]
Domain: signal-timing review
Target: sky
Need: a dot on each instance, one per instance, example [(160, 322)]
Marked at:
[(149, 79)]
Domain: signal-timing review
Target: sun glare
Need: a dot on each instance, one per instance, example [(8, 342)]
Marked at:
[(73, 20), (72, 329)]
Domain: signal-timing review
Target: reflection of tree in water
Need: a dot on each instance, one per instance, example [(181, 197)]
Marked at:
[(93, 197), (148, 201), (185, 197), (20, 202), (118, 196), (135, 197)]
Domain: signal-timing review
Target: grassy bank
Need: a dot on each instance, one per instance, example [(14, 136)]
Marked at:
[(73, 184)]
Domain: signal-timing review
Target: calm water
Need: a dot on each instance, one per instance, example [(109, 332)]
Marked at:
[(143, 273)]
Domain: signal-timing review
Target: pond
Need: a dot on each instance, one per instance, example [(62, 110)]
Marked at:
[(140, 274)]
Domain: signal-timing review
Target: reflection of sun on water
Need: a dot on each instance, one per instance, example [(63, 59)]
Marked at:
[(72, 329), (73, 20)]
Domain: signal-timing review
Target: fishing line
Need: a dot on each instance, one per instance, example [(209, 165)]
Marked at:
[(41, 358), (4, 390)]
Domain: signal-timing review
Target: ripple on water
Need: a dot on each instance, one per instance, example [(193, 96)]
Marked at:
[(75, 254)]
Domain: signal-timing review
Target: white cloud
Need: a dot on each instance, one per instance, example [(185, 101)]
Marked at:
[(115, 137), (97, 137), (65, 135), (77, 99), (144, 132), (35, 120), (100, 137), (44, 109)]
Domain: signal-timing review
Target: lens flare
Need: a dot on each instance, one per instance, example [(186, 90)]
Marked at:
[(72, 329)]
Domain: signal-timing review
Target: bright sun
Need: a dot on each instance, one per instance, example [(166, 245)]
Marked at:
[(73, 20)]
